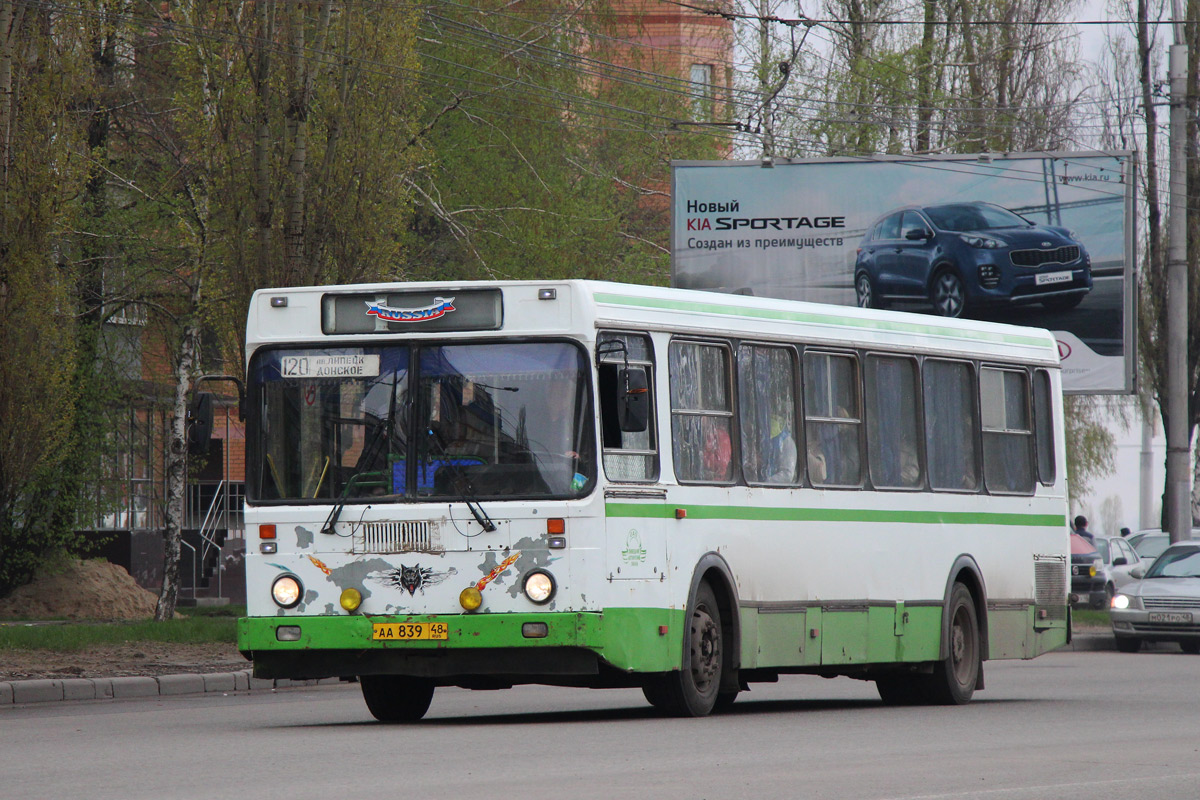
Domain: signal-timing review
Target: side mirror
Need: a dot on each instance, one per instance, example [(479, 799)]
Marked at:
[(917, 235), (200, 423), (1137, 573), (1120, 561), (633, 399)]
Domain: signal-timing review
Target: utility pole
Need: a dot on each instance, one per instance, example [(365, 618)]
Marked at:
[(1179, 475)]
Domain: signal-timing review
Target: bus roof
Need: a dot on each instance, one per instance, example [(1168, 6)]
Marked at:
[(579, 307)]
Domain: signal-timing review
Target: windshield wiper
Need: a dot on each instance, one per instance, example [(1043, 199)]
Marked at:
[(462, 486), (379, 441)]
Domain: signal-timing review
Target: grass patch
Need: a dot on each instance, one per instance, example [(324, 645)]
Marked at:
[(232, 610), (1090, 618), (73, 637)]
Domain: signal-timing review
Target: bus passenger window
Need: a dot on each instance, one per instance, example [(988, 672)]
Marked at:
[(1007, 434), (950, 425), (831, 419), (1043, 423), (767, 414), (892, 425), (701, 412)]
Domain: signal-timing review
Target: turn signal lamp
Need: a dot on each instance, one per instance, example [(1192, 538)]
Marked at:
[(470, 598), (266, 531), (556, 526), (351, 599)]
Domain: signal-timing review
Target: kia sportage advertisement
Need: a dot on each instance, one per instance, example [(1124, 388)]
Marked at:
[(1038, 239)]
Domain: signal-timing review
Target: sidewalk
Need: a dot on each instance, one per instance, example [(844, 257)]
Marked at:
[(48, 690)]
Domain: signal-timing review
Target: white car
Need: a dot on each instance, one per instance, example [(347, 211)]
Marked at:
[(1119, 559), (1164, 606)]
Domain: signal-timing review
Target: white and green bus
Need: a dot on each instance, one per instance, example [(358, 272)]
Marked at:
[(603, 485)]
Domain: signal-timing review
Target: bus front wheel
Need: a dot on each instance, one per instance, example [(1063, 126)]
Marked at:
[(693, 691), (954, 679), (396, 698)]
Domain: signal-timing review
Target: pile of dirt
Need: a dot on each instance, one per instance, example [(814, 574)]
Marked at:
[(75, 589)]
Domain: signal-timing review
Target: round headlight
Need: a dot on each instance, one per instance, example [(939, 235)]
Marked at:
[(470, 598), (539, 586), (287, 591), (351, 599), (1120, 601)]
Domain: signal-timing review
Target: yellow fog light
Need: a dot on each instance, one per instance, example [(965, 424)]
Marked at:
[(351, 599), (470, 598)]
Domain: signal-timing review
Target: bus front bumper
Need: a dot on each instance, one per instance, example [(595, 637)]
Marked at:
[(518, 645)]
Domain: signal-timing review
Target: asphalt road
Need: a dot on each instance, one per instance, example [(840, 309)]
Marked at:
[(1064, 726)]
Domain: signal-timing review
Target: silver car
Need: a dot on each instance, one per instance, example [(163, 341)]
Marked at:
[(1164, 606)]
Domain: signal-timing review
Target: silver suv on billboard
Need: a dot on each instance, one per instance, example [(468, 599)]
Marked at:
[(968, 255)]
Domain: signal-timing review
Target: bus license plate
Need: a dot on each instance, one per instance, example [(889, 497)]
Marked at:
[(408, 631), (1177, 617)]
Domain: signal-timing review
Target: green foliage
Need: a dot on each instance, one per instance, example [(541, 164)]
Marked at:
[(538, 165), (71, 638), (1090, 442), (39, 399)]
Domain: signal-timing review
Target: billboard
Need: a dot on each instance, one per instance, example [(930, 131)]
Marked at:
[(1032, 239)]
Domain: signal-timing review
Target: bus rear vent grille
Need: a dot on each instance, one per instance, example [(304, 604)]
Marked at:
[(397, 537), (1050, 585)]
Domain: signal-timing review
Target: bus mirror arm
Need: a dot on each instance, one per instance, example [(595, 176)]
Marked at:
[(241, 390), (633, 407)]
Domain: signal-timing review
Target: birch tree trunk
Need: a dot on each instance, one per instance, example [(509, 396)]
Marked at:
[(176, 464)]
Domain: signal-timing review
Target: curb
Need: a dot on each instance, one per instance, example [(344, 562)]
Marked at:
[(47, 690)]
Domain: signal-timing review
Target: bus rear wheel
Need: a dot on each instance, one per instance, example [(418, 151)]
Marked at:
[(693, 692), (954, 679), (396, 698)]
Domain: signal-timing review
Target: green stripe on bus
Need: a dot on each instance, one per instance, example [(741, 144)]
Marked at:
[(819, 319), (667, 511)]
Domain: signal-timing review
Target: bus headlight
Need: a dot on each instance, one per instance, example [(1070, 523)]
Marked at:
[(539, 586), (286, 591)]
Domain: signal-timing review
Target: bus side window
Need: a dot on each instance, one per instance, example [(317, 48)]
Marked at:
[(628, 455), (1007, 434), (701, 412), (950, 425), (767, 414), (1043, 425), (832, 419), (893, 431)]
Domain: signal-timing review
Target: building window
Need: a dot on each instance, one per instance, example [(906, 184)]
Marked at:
[(702, 90)]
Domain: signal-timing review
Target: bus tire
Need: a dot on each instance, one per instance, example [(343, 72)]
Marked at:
[(693, 691), (396, 698), (954, 679)]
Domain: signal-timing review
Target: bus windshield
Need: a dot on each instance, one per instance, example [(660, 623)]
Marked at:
[(450, 421)]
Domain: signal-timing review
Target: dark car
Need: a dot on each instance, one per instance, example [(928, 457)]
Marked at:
[(1089, 579), (959, 255)]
